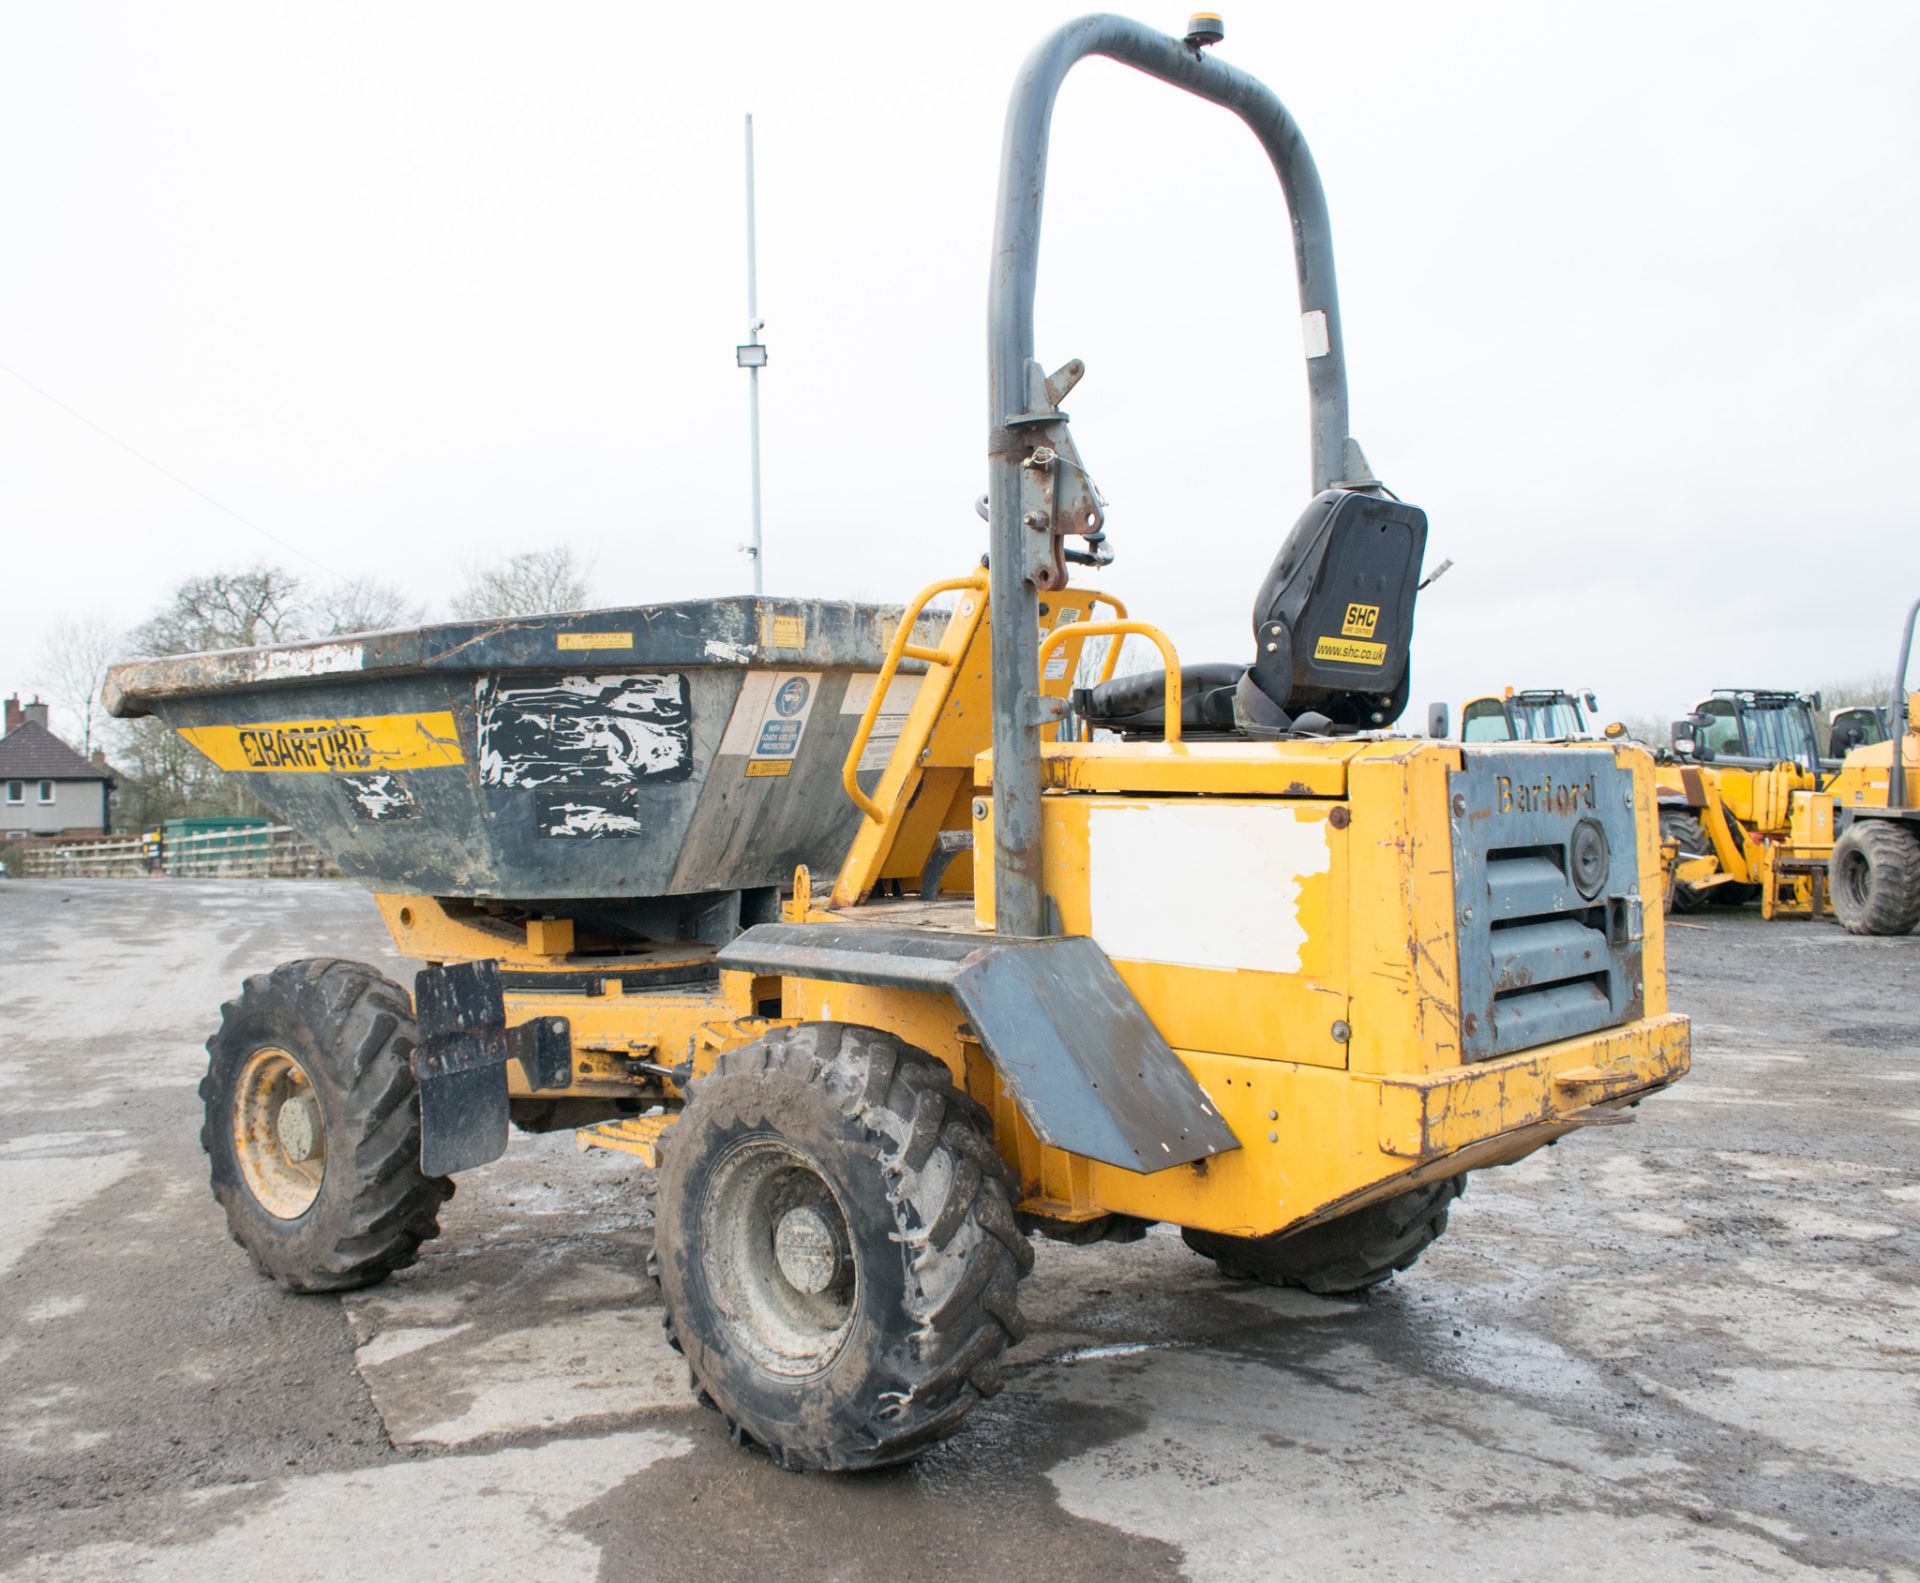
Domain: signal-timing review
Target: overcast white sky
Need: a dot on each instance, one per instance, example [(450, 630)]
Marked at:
[(1630, 296)]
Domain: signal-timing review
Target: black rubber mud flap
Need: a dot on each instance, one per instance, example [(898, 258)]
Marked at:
[(1088, 1068), (461, 1063)]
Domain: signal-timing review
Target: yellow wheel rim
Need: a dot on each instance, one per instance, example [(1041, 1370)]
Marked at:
[(279, 1135)]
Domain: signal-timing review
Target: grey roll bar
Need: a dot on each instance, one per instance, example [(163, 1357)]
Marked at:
[(1897, 716), (1030, 455)]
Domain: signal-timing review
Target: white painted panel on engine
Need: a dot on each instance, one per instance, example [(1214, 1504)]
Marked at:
[(1203, 885)]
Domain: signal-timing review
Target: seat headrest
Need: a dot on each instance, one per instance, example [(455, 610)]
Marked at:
[(1333, 625)]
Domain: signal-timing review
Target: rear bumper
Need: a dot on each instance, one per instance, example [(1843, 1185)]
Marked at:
[(1561, 1085)]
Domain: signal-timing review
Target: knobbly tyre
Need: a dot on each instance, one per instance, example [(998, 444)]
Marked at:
[(1209, 947)]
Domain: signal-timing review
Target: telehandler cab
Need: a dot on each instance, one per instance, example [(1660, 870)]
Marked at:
[(1223, 954), (1529, 714)]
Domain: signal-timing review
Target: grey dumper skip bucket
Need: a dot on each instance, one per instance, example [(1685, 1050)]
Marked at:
[(686, 750)]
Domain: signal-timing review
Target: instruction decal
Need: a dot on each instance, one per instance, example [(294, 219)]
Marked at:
[(889, 722), (1057, 660), (783, 632), (584, 730), (332, 747), (770, 719), (594, 640)]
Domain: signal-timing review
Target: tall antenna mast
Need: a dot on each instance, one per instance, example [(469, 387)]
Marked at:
[(753, 357)]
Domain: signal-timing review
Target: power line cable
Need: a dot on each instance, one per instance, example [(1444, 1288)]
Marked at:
[(167, 472)]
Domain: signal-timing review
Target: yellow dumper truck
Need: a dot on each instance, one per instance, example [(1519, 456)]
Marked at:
[(1211, 947)]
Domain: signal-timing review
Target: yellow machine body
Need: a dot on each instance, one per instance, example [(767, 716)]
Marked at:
[(1862, 779), (1331, 1045), (1774, 828), (1542, 714)]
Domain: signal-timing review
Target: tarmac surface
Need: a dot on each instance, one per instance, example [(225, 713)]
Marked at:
[(1684, 1348)]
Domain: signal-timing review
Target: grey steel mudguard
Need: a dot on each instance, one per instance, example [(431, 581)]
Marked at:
[(1086, 1065)]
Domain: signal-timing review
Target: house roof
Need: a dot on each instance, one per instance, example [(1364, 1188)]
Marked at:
[(31, 752)]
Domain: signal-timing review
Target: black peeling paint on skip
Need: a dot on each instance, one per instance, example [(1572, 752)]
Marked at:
[(588, 811), (585, 731), (379, 798)]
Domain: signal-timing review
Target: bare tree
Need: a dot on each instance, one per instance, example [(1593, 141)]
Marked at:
[(363, 604), (161, 777), (72, 664), (225, 610), (528, 584)]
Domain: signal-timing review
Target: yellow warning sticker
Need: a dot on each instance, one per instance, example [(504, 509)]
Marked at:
[(784, 632), (594, 640), (759, 769), (332, 747), (1360, 622), (1347, 651)]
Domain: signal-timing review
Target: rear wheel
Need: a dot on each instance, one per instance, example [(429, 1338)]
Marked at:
[(1683, 825), (1351, 1253), (1874, 878), (312, 1127), (836, 1248)]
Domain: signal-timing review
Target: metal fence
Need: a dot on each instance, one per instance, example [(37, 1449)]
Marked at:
[(256, 852)]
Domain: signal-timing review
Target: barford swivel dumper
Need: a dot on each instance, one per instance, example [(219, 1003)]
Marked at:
[(1208, 947)]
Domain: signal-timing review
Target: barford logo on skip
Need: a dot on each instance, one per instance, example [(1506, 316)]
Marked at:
[(1544, 796)]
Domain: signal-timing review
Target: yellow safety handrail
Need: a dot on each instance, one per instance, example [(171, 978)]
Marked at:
[(1096, 597), (901, 648), (1120, 629)]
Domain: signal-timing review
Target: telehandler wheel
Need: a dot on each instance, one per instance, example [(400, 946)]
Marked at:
[(1677, 824), (313, 1126), (1874, 878), (1351, 1253), (836, 1248)]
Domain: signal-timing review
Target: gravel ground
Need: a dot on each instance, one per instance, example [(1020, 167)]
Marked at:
[(1690, 1346)]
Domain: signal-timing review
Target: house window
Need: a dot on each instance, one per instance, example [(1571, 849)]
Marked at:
[(16, 791), (46, 791)]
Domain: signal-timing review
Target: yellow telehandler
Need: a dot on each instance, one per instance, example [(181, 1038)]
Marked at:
[(1730, 795), (1531, 714), (1211, 947), (1809, 836)]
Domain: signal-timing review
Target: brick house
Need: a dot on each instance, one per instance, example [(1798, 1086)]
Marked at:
[(46, 788)]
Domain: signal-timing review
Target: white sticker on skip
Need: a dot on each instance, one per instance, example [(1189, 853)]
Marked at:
[(1147, 904)]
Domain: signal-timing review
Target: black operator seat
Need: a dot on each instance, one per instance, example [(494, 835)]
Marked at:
[(1332, 627)]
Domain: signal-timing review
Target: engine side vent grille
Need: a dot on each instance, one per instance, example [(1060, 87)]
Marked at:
[(1550, 937)]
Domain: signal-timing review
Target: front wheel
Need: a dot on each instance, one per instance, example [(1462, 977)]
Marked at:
[(1349, 1253), (312, 1127), (836, 1248), (1683, 826), (1874, 878)]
